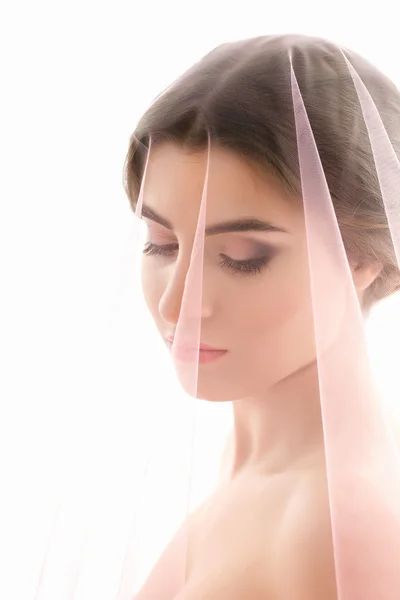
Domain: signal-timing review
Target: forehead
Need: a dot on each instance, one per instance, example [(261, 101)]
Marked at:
[(176, 177)]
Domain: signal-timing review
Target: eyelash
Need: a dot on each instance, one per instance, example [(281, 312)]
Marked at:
[(241, 267)]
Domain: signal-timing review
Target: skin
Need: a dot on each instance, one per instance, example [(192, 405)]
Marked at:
[(269, 516)]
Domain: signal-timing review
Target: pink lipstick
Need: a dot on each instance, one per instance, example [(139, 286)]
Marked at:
[(187, 354)]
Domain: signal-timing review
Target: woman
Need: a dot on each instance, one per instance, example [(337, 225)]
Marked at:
[(271, 529)]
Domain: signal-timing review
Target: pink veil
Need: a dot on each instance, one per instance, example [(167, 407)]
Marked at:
[(360, 438)]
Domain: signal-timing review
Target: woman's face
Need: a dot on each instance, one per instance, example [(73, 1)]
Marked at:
[(256, 302)]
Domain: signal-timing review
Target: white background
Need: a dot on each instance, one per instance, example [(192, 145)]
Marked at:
[(74, 79)]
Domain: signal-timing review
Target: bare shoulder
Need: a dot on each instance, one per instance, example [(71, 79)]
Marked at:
[(167, 578), (305, 563), (262, 538)]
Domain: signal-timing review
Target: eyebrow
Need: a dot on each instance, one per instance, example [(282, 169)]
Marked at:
[(249, 224)]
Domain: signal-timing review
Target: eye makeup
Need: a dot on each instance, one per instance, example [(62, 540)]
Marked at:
[(248, 266)]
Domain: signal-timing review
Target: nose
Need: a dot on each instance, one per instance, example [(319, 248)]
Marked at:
[(184, 296), (170, 303)]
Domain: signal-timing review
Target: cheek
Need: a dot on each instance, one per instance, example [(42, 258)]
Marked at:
[(270, 331), (275, 306)]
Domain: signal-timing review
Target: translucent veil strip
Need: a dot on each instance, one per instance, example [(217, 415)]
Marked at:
[(361, 447), (361, 454)]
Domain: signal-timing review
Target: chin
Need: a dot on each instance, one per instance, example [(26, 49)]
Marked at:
[(217, 386), (210, 388), (207, 382), (214, 388)]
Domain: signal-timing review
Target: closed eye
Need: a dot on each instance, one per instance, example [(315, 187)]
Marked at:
[(155, 250), (249, 266)]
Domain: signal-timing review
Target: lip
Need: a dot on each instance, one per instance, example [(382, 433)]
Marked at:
[(170, 340), (186, 354)]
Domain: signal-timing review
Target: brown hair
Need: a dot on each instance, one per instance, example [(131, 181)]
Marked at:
[(240, 95)]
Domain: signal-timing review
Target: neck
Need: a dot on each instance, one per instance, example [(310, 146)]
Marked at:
[(281, 430)]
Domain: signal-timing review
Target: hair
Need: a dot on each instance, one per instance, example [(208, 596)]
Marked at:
[(240, 96)]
